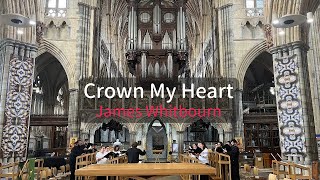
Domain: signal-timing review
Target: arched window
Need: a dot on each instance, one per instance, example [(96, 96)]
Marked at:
[(56, 8), (254, 7)]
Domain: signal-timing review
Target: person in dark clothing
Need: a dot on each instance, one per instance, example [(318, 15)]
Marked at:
[(227, 147), (93, 149), (234, 157), (195, 150), (87, 144), (219, 148), (133, 153), (77, 150)]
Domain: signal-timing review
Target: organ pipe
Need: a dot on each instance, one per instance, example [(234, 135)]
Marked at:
[(144, 65)]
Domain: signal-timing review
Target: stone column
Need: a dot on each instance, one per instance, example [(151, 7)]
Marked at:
[(91, 136), (294, 105), (73, 122), (85, 135), (221, 136), (180, 141), (132, 137), (15, 105), (238, 114), (227, 136)]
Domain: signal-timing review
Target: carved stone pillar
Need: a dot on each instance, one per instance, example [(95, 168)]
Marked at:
[(238, 114), (221, 136), (85, 135), (294, 108), (132, 137), (73, 122), (91, 136), (180, 141), (227, 136), (16, 91)]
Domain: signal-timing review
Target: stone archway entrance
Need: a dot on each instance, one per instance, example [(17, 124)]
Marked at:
[(156, 140)]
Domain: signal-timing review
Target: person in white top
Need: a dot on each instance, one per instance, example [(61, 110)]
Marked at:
[(100, 156), (203, 158), (204, 155)]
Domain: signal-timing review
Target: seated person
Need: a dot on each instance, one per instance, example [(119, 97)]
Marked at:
[(100, 156), (117, 151), (204, 154), (219, 148), (194, 150), (133, 153), (107, 149)]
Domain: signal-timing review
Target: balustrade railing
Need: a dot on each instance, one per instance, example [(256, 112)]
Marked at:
[(254, 12)]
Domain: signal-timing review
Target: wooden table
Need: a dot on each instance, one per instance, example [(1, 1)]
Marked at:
[(145, 169)]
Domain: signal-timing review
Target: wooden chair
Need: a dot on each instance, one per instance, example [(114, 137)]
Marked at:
[(256, 171), (82, 161), (9, 171), (43, 174), (224, 164), (280, 169), (113, 161), (62, 169), (246, 167), (54, 171), (92, 158), (67, 167), (49, 172), (272, 177), (25, 176), (297, 171)]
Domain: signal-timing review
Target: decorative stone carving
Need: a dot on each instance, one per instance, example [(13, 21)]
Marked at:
[(39, 31), (268, 35), (289, 105), (132, 60), (17, 107), (104, 50)]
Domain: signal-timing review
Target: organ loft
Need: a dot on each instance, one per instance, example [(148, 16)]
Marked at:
[(157, 42)]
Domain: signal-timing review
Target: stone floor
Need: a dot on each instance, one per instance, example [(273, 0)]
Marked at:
[(263, 174)]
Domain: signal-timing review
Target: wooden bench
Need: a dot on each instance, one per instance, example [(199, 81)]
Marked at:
[(297, 171), (280, 169), (290, 170), (221, 162), (10, 171)]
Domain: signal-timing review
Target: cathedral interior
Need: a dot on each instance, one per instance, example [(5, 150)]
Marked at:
[(50, 49)]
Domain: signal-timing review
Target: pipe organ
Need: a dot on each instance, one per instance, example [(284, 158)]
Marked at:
[(157, 44)]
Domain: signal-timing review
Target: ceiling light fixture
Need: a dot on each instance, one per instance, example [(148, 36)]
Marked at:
[(15, 20), (32, 22), (275, 19), (309, 17), (291, 20)]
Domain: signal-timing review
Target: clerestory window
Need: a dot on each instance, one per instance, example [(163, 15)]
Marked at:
[(56, 8)]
